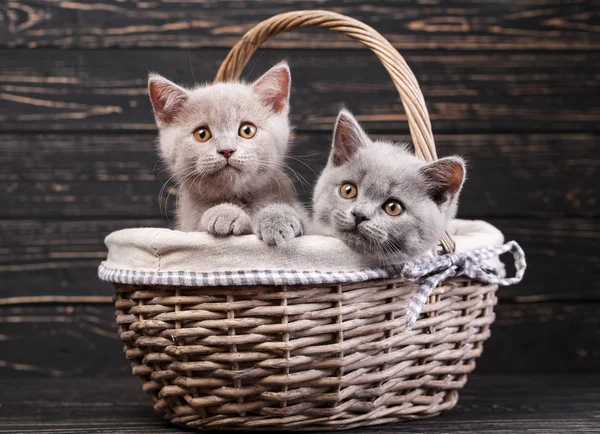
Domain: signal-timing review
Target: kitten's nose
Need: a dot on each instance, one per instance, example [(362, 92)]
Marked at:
[(227, 153), (359, 217)]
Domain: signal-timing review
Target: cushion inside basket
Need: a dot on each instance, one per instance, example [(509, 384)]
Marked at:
[(139, 255)]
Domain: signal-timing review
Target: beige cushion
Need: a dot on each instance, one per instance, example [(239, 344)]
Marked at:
[(158, 249)]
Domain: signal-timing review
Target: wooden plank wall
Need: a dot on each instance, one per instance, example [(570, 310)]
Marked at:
[(512, 86)]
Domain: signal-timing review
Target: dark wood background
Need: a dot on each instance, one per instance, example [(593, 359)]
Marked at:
[(512, 86)]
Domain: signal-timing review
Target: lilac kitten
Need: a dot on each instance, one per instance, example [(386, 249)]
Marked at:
[(225, 144)]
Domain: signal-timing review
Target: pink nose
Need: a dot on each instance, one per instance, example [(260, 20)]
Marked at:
[(226, 153)]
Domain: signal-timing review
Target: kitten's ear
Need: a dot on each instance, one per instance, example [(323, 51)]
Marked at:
[(348, 137), (274, 87), (166, 97), (444, 178)]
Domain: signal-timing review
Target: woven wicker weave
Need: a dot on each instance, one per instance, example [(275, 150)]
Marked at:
[(323, 356)]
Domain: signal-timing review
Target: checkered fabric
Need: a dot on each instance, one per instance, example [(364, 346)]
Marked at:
[(470, 264), (430, 270)]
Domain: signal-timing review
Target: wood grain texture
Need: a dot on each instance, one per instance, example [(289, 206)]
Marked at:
[(60, 341), (512, 86), (30, 245), (41, 258), (80, 340), (469, 25), (120, 175), (465, 92), (488, 404)]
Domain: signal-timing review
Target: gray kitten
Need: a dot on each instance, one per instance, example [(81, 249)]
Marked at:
[(381, 199), (224, 144)]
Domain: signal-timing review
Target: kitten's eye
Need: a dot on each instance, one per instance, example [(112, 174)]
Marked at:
[(247, 130), (393, 207), (348, 191), (202, 134)]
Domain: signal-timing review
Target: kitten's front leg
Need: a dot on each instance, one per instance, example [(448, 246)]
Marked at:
[(277, 223), (226, 219)]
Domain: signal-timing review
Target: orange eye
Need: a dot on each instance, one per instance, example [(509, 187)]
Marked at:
[(348, 190), (393, 207), (202, 134), (247, 130)]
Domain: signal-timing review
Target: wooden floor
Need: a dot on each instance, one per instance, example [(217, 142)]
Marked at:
[(488, 404)]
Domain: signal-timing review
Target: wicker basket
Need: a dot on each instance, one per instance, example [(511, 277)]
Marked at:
[(307, 357)]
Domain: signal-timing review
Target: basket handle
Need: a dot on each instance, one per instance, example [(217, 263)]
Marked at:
[(401, 75)]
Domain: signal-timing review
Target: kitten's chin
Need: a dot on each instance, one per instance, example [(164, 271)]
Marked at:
[(226, 172), (238, 179), (357, 241), (373, 249), (229, 170)]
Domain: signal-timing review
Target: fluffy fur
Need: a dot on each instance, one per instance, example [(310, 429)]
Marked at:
[(229, 184), (383, 171)]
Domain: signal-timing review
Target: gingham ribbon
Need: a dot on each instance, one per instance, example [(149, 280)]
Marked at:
[(470, 264)]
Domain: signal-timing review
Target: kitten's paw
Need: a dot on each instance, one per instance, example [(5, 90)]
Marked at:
[(277, 223), (226, 219)]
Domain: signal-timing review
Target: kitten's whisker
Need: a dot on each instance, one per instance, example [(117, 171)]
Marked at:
[(281, 190), (269, 169), (314, 154), (191, 67), (160, 195), (159, 161), (394, 249), (199, 178), (292, 171), (161, 172), (256, 61), (303, 182), (180, 189), (301, 179), (303, 163), (162, 190)]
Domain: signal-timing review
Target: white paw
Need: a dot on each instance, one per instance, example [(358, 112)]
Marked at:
[(226, 219), (278, 223)]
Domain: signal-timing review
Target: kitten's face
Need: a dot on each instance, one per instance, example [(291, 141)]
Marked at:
[(223, 136), (378, 198)]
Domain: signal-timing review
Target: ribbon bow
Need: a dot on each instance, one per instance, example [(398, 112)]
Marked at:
[(470, 264)]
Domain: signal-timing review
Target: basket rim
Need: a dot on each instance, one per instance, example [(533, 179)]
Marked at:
[(235, 274), (159, 254)]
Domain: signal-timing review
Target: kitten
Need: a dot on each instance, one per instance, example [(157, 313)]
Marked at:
[(381, 199), (224, 144)]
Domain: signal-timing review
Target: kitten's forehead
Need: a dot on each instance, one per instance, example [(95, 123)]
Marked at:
[(223, 103), (386, 170)]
